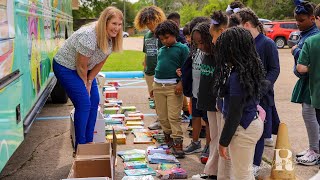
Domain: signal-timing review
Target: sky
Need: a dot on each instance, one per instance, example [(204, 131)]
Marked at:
[(133, 1)]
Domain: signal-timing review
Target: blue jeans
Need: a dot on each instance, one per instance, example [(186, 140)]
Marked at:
[(86, 106)]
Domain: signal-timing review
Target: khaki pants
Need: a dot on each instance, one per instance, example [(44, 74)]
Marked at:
[(168, 106), (216, 165), (242, 148), (149, 81)]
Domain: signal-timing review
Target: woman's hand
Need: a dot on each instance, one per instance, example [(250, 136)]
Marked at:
[(88, 86), (223, 152), (178, 89)]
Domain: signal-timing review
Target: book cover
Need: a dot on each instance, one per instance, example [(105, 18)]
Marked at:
[(131, 151), (148, 177), (175, 173), (140, 172), (133, 157), (135, 165)]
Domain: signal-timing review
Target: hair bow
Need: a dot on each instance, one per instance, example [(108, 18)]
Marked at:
[(235, 10), (299, 8)]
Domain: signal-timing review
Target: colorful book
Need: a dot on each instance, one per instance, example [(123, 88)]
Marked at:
[(127, 119), (108, 105), (111, 110), (111, 121), (124, 109), (165, 166), (158, 158), (134, 114), (140, 172), (148, 177), (131, 151), (135, 123), (111, 94), (133, 157), (112, 100), (153, 149), (175, 173), (135, 165), (120, 116)]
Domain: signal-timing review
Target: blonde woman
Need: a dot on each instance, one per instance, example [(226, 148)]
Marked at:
[(78, 62)]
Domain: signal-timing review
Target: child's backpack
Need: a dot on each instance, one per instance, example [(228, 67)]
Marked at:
[(186, 77)]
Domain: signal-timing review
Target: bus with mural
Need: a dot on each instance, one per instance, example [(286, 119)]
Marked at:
[(31, 31)]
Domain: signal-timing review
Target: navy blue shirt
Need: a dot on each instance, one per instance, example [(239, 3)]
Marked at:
[(269, 56), (249, 107)]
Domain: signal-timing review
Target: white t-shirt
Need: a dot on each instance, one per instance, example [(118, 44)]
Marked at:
[(83, 41), (196, 72)]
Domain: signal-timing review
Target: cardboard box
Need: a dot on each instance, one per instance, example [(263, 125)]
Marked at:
[(94, 160)]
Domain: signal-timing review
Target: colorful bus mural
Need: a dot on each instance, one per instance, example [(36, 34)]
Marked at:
[(31, 31)]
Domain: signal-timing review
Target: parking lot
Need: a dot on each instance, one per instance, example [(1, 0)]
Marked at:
[(46, 152)]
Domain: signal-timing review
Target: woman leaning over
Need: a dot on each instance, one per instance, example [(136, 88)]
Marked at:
[(80, 59)]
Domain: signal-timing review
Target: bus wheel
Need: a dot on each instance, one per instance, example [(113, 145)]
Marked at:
[(59, 95)]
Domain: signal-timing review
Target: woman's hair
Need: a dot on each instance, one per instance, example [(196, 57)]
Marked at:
[(304, 7), (204, 30), (237, 4), (233, 20), (167, 27), (219, 19), (234, 5), (247, 15), (186, 29), (152, 15), (198, 20), (102, 36), (235, 47), (317, 10)]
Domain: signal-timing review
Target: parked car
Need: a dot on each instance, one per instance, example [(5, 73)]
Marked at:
[(125, 34), (263, 21), (280, 31), (294, 38)]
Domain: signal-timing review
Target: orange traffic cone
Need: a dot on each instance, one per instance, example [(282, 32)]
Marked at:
[(282, 164)]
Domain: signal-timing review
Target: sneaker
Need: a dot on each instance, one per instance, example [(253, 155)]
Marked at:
[(256, 170), (268, 142), (309, 159), (300, 154), (316, 177), (155, 126), (205, 152), (194, 147), (204, 176)]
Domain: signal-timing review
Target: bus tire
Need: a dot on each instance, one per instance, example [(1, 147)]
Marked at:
[(59, 95)]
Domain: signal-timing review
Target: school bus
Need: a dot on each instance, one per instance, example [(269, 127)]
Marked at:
[(31, 31)]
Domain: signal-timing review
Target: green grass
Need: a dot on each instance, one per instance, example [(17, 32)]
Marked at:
[(128, 60)]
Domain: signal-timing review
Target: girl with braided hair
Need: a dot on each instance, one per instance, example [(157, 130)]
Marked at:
[(269, 57), (239, 74), (215, 166), (150, 17)]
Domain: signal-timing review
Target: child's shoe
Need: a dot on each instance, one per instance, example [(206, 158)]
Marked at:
[(177, 150)]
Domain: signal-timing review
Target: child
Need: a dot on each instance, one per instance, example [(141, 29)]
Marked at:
[(301, 93), (150, 17), (181, 38), (167, 87), (207, 98), (186, 33), (240, 69), (309, 62), (198, 48), (268, 54)]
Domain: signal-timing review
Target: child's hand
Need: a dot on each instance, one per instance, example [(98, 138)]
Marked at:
[(178, 89), (178, 71), (151, 94)]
